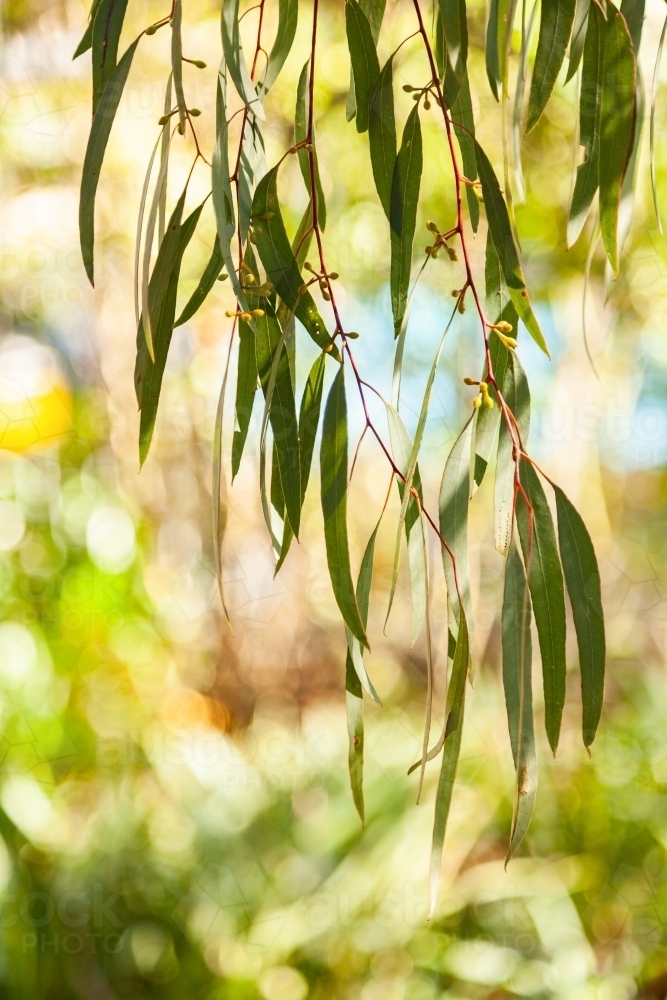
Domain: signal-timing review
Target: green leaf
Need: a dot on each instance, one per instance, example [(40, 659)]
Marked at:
[(309, 418), (364, 59), (582, 578), (517, 397), (545, 579), (355, 650), (140, 226), (487, 420), (555, 29), (617, 118), (382, 135), (578, 37), (165, 145), (517, 682), (288, 17), (633, 12), (403, 214), (374, 12), (219, 505), (252, 167), (92, 164), (246, 387), (355, 731), (279, 262), (492, 59), (87, 38), (235, 60), (107, 26), (455, 33), (453, 517), (462, 116), (333, 470), (450, 757), (654, 97), (162, 298), (223, 199), (282, 409), (503, 241), (163, 266), (177, 61), (300, 134), (206, 283), (590, 106)]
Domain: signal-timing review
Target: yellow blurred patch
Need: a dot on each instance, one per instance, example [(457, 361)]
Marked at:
[(32, 423)]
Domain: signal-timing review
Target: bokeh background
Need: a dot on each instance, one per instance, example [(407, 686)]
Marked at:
[(175, 817)]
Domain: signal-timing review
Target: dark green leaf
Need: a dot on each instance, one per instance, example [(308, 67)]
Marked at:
[(233, 50), (87, 38), (206, 283), (616, 126), (455, 33), (578, 37), (107, 26), (300, 134), (382, 135), (545, 579), (363, 56), (583, 585), (555, 30), (246, 386), (461, 114), (333, 468), (92, 164), (403, 214), (634, 11), (492, 57), (450, 757), (279, 262), (223, 199), (252, 167), (517, 397), (503, 240), (288, 16), (355, 731), (590, 105), (518, 685), (486, 420), (453, 515), (148, 375), (374, 12)]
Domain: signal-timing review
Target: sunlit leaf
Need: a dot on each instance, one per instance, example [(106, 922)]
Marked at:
[(333, 470), (518, 685), (403, 213), (165, 145), (578, 37), (300, 134), (617, 117), (545, 579), (461, 113), (233, 50), (555, 29), (177, 61), (363, 56), (288, 16), (92, 164), (582, 578), (590, 106), (654, 97)]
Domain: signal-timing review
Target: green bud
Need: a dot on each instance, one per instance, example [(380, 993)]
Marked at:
[(352, 336), (195, 112), (151, 29), (199, 63)]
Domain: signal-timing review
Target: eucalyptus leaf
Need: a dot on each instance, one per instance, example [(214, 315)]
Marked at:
[(590, 108), (382, 135), (177, 61), (288, 17), (453, 506), (235, 59), (403, 214), (363, 56), (555, 30), (206, 283), (107, 26)]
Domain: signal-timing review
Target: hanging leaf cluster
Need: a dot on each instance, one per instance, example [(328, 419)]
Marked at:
[(281, 297)]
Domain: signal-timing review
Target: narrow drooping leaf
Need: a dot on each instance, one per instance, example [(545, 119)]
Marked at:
[(164, 155), (401, 450), (363, 56), (282, 409), (140, 226), (578, 38), (555, 29), (629, 186), (488, 420), (492, 59), (354, 701), (633, 12), (403, 214), (355, 650), (252, 167), (206, 283), (545, 579), (617, 117), (163, 265), (219, 505), (107, 26), (177, 61), (455, 31), (503, 241), (374, 12), (462, 115), (235, 59), (300, 134), (246, 387), (582, 578), (333, 470), (92, 164), (590, 106), (450, 757), (87, 37), (453, 520), (162, 303), (223, 199), (309, 418), (518, 685), (654, 97), (517, 397), (517, 114), (382, 135), (288, 17), (279, 262)]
